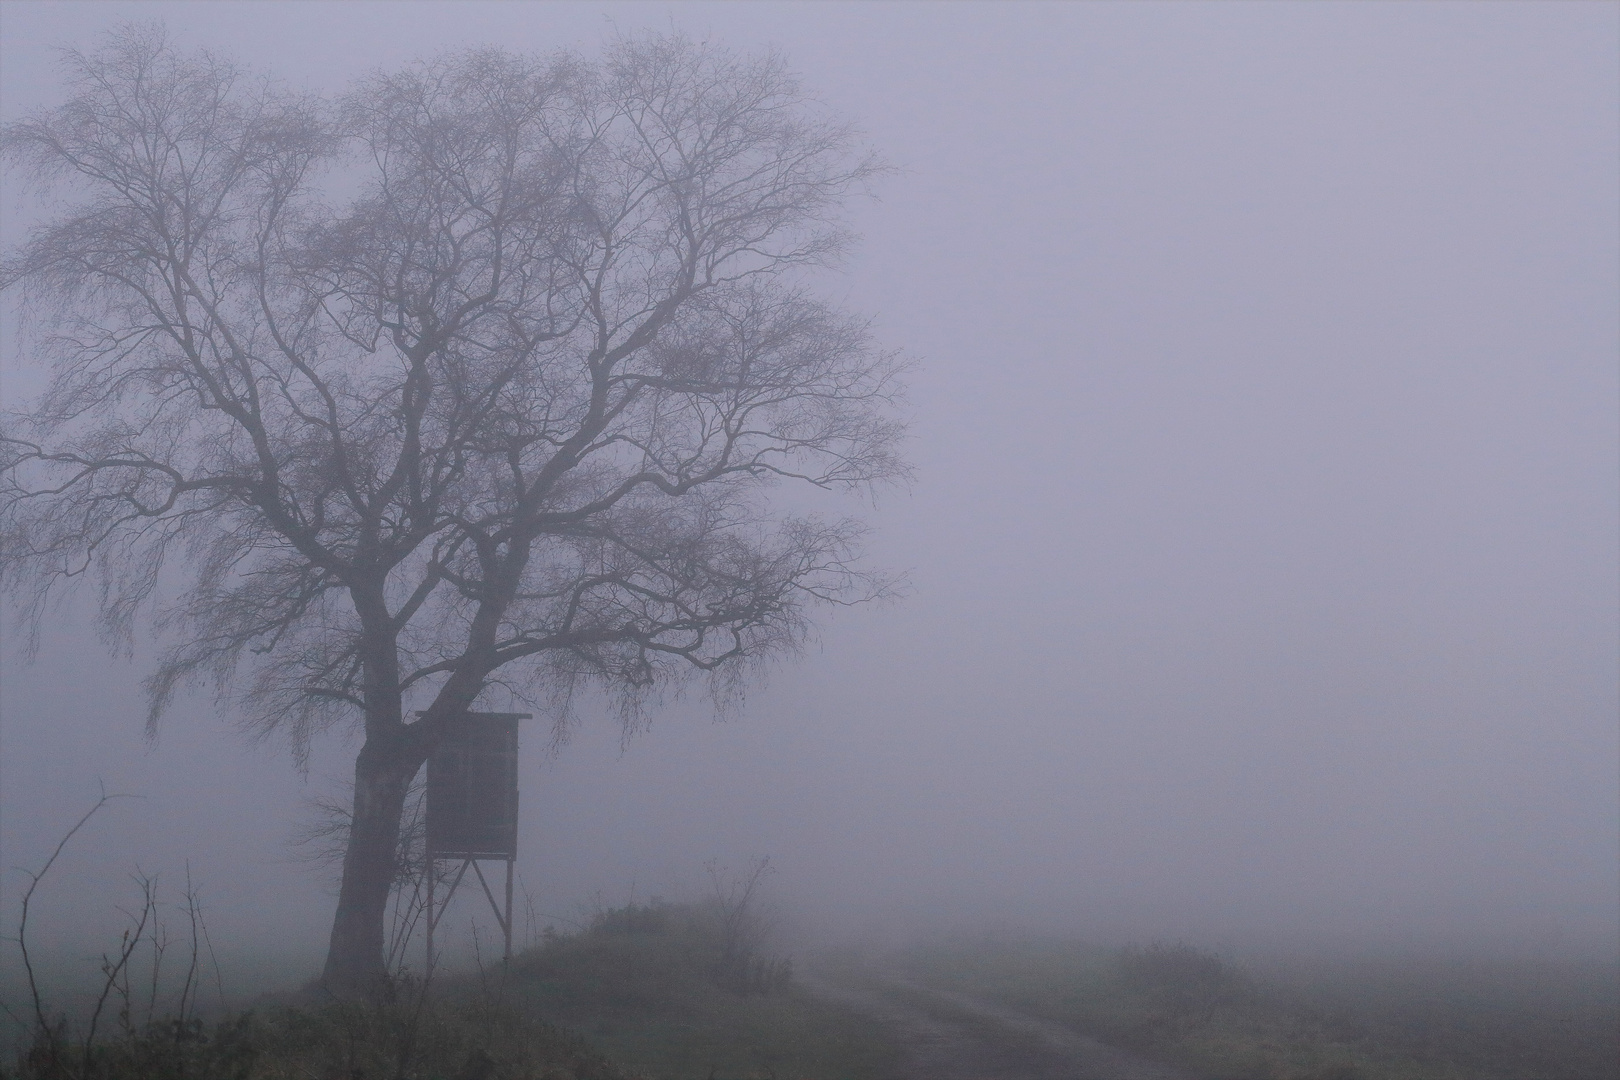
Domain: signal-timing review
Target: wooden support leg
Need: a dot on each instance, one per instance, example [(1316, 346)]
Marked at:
[(427, 972), (507, 959)]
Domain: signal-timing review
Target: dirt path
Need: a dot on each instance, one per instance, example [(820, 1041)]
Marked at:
[(950, 1036)]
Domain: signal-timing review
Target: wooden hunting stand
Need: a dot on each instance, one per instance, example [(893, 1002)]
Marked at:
[(472, 803)]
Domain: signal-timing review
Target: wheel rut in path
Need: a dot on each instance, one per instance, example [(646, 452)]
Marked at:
[(951, 1036)]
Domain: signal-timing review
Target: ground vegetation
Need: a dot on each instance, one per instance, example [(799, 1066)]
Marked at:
[(1371, 1019)]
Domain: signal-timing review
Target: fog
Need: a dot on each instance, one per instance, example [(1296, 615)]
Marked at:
[(1262, 545)]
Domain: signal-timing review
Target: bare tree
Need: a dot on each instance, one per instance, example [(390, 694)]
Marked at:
[(508, 411)]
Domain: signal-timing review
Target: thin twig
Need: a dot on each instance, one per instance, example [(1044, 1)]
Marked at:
[(28, 896)]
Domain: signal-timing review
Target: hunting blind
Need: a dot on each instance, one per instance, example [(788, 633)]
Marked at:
[(472, 804)]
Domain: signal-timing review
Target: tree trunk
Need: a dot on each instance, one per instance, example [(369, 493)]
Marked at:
[(355, 961)]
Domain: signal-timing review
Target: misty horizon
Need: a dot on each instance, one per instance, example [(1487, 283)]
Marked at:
[(1260, 556)]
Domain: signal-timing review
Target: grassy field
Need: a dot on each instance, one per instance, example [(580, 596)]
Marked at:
[(693, 992), (1340, 1021), (456, 1037), (644, 992)]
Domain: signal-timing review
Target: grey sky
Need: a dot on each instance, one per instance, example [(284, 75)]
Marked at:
[(1264, 535)]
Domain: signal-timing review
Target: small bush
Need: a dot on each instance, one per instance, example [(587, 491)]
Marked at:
[(1181, 985), (657, 987), (657, 957)]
